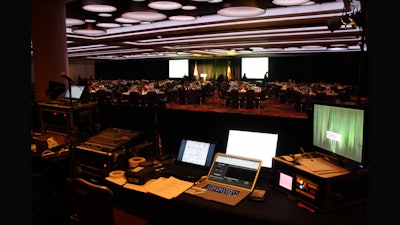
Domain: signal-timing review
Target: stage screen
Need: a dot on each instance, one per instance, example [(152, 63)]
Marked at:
[(255, 68), (178, 68)]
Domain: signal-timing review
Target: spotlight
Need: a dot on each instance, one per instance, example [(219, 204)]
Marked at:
[(334, 23)]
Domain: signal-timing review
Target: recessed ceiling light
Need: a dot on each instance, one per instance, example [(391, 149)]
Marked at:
[(108, 25), (289, 2), (99, 8), (188, 7), (164, 5), (94, 32), (144, 15), (71, 22), (105, 14), (182, 18), (241, 11), (125, 20)]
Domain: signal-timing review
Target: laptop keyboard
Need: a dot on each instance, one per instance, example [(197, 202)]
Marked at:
[(224, 190)]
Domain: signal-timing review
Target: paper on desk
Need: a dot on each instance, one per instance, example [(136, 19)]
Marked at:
[(142, 188), (168, 187), (164, 187), (321, 166)]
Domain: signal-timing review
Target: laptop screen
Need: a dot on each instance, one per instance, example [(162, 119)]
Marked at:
[(236, 171), (252, 144), (196, 152), (76, 91)]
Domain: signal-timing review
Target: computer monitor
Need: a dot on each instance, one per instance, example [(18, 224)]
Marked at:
[(253, 144), (340, 130), (76, 91)]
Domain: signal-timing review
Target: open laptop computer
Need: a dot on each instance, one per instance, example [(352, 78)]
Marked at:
[(75, 95), (230, 179), (193, 161)]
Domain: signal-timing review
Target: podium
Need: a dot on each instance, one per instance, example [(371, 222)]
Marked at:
[(65, 119)]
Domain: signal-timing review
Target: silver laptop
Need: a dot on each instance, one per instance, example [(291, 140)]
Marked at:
[(230, 179)]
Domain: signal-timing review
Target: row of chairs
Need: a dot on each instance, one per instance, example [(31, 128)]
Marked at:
[(249, 100)]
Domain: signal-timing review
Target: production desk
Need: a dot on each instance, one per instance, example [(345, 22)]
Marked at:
[(278, 208)]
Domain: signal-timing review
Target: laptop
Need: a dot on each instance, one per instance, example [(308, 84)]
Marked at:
[(193, 161), (75, 95), (230, 179)]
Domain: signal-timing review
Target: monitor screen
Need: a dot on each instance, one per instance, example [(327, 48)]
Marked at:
[(76, 91), (340, 130), (178, 68), (255, 67), (253, 144)]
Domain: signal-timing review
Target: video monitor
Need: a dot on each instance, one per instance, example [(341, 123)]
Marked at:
[(340, 130), (253, 144), (76, 91)]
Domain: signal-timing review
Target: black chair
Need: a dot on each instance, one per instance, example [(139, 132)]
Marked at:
[(234, 98), (249, 99), (134, 99), (182, 96), (92, 204)]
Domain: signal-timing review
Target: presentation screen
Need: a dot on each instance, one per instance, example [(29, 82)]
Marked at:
[(178, 68), (255, 67)]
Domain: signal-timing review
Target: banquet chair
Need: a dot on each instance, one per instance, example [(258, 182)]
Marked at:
[(249, 99), (92, 204)]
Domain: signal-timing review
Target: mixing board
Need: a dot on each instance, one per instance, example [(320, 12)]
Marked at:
[(110, 139)]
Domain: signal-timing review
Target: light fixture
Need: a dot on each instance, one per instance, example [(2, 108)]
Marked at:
[(99, 5), (88, 29), (235, 8), (138, 11), (183, 15), (354, 19), (164, 5), (289, 2), (107, 22)]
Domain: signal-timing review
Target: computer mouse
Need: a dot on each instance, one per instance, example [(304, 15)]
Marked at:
[(287, 158)]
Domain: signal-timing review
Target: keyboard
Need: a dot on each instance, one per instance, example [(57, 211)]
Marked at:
[(223, 190)]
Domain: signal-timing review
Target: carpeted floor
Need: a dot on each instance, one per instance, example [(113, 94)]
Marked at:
[(267, 108)]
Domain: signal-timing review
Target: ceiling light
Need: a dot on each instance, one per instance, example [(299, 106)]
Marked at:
[(88, 29), (98, 5), (188, 7), (289, 2), (183, 15), (107, 22), (138, 11), (164, 5), (72, 22), (125, 20), (241, 9), (148, 16)]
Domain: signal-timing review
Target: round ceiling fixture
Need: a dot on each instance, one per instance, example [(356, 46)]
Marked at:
[(164, 5), (148, 16)]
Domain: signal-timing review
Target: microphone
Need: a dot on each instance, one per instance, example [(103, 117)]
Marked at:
[(64, 75)]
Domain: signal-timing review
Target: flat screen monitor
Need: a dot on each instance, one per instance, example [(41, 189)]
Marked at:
[(340, 130), (253, 144), (76, 91)]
